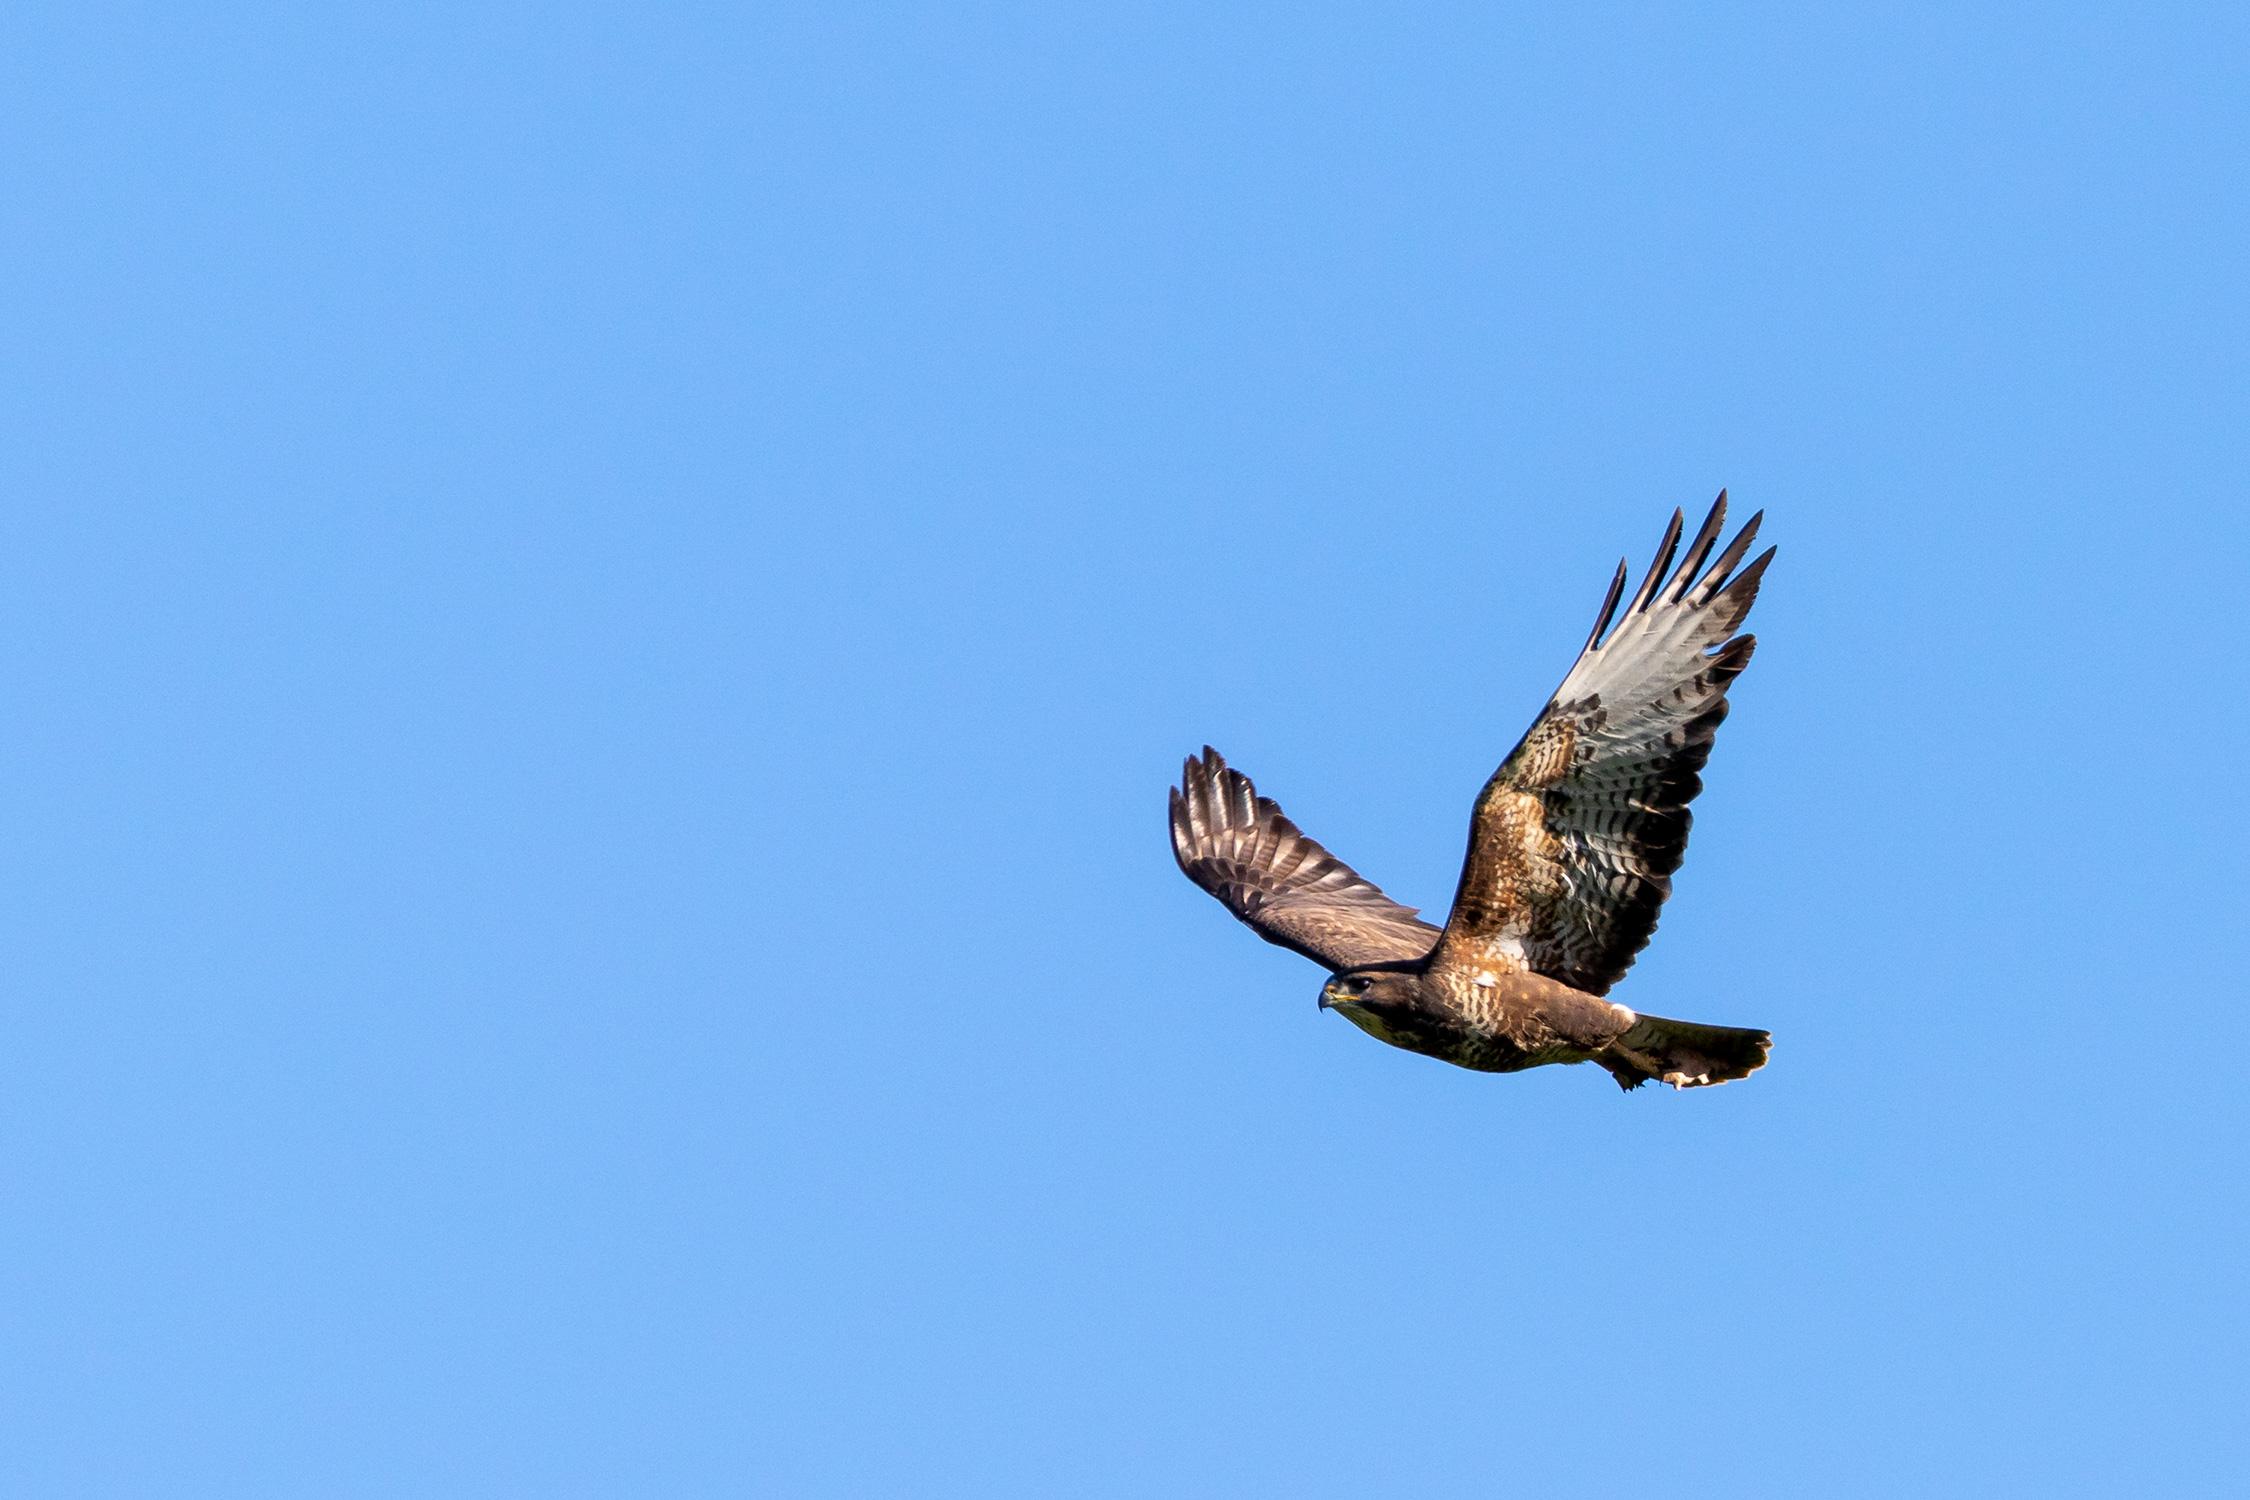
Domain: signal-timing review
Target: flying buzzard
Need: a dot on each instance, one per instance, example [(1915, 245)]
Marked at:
[(1571, 851)]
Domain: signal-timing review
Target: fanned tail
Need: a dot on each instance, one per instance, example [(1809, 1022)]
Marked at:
[(1684, 1054)]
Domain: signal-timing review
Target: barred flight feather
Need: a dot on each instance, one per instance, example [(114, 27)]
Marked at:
[(1243, 849)]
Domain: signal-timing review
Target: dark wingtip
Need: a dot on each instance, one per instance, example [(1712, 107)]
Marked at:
[(1718, 575), (1706, 537), (1609, 606), (1660, 568), (1747, 579)]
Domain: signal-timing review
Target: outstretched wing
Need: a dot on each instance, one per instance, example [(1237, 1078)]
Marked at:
[(1243, 849), (1576, 836)]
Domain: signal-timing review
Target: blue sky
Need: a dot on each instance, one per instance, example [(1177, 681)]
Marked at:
[(599, 605)]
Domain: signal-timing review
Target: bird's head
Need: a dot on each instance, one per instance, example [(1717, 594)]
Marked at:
[(1380, 1002), (1371, 991)]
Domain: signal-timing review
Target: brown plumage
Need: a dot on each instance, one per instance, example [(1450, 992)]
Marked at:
[(1572, 848)]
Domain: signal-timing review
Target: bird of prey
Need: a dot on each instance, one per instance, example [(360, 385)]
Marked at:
[(1572, 846)]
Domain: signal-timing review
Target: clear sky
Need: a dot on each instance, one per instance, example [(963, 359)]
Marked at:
[(599, 603)]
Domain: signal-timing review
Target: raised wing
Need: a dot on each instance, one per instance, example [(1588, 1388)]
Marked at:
[(1576, 836), (1243, 849)]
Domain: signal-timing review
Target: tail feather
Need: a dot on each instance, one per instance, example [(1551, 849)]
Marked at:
[(1684, 1054)]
